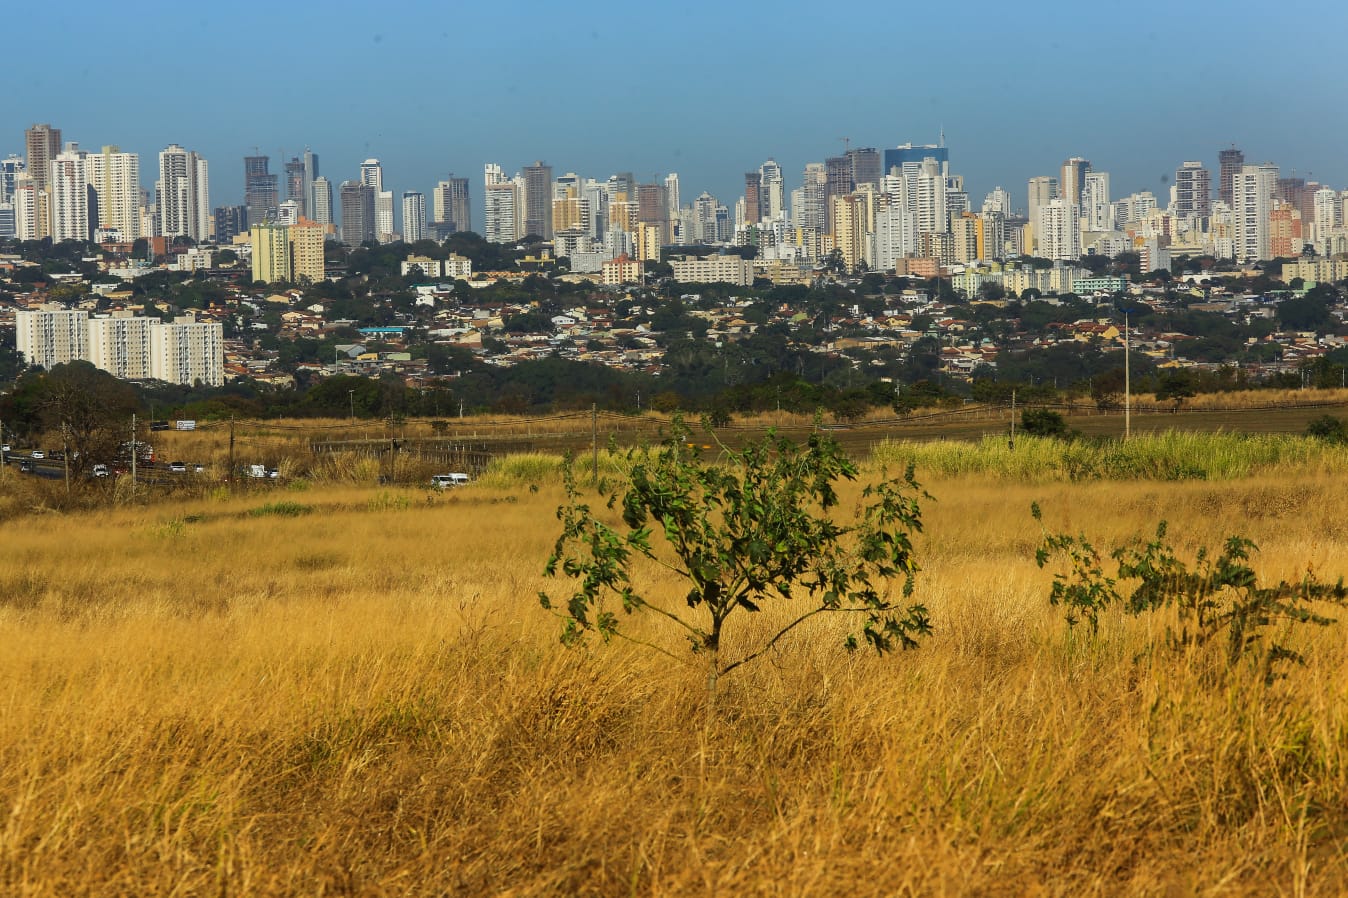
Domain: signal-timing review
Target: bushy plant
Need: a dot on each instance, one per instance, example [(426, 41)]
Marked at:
[(1218, 596), (758, 526)]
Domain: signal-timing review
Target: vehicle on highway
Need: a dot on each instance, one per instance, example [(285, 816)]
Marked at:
[(25, 466), (37, 455), (100, 471), (198, 469), (445, 481), (177, 467)]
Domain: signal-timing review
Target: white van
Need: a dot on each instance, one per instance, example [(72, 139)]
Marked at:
[(445, 481)]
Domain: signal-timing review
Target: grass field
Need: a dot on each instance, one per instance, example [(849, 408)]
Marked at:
[(353, 691)]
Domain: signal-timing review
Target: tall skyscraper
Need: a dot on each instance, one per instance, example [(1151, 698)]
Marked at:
[(372, 174), (271, 252), (1042, 190), (1252, 195), (1061, 237), (322, 200), (259, 189), (1096, 211), (908, 153), (672, 205), (183, 191), (68, 190), (450, 205), (1193, 191), (115, 178), (357, 213), (42, 143), (414, 216), (837, 182), (538, 200), (1229, 163), (1073, 180), (310, 173), (771, 191), (865, 165), (295, 184), (501, 212), (753, 183)]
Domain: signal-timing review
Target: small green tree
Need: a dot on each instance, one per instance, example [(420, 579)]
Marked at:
[(1328, 428), (756, 527)]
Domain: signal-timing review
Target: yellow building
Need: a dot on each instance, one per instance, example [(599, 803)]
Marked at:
[(271, 252), (648, 241), (306, 251)]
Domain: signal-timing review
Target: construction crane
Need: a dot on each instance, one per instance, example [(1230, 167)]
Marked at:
[(847, 145)]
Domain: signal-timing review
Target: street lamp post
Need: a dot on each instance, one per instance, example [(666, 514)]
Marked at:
[(351, 398)]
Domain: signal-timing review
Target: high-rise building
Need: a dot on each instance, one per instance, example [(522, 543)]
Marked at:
[(865, 165), (1229, 163), (11, 168), (837, 182), (115, 178), (1096, 211), (383, 216), (672, 206), (322, 200), (43, 144), (1073, 180), (27, 200), (8, 227), (311, 172), (357, 213), (188, 351), (1193, 191), (271, 252), (51, 335), (183, 192), (120, 345), (1042, 191), (306, 251), (230, 221), (414, 216), (296, 185), (538, 200), (1060, 237), (68, 190), (450, 206), (1252, 193), (260, 194), (908, 153), (753, 184), (771, 191), (372, 174)]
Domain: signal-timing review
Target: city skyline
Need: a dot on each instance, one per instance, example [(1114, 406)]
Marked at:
[(1013, 99)]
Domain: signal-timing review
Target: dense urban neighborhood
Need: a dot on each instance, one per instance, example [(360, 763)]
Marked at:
[(873, 284)]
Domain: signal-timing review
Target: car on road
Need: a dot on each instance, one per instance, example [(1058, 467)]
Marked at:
[(25, 466), (37, 455), (177, 467), (100, 471), (198, 469), (446, 481)]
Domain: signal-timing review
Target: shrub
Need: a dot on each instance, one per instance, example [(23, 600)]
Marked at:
[(757, 528)]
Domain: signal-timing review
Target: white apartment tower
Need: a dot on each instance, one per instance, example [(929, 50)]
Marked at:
[(1096, 212), (322, 201), (1252, 201), (115, 177), (120, 345), (51, 335), (68, 192), (1061, 237), (188, 351), (414, 216), (183, 192)]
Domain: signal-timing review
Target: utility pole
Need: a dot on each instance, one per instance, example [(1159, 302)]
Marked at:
[(1011, 444), (65, 455), (229, 475), (594, 440), (135, 450)]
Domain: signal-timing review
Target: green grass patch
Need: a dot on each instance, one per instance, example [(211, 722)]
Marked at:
[(281, 510)]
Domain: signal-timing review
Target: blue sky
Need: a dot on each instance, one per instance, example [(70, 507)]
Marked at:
[(707, 89)]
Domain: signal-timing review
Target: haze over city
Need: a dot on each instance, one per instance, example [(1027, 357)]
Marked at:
[(708, 90)]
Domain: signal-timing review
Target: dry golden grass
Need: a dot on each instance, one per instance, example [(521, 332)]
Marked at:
[(366, 699)]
